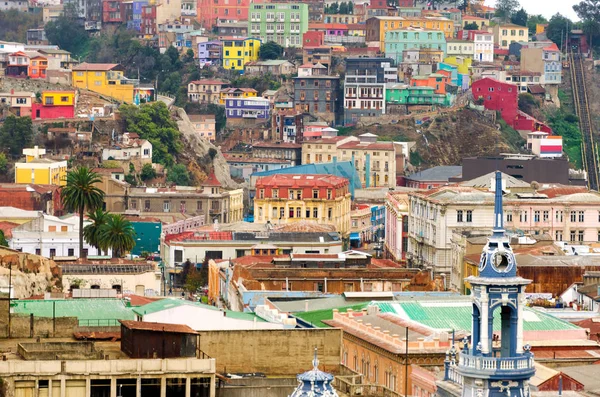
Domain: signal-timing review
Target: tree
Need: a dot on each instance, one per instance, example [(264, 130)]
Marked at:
[(14, 24), (68, 34), (557, 26), (91, 233), (179, 175), (533, 21), (3, 241), (117, 234), (16, 134), (589, 12), (3, 163), (195, 280), (350, 7), (471, 26), (343, 8), (152, 121), (270, 50), (506, 8), (527, 102), (80, 193), (520, 17), (147, 172)]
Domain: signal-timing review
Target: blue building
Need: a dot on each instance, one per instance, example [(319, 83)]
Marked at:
[(378, 222), (136, 21), (209, 53), (147, 237), (315, 383), (248, 108), (400, 40), (483, 368)]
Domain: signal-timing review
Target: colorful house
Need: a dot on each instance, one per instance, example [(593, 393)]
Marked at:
[(402, 94), (283, 23), (39, 170), (238, 51), (18, 65), (37, 67), (377, 27), (18, 102), (509, 33), (211, 11), (436, 80), (104, 78), (54, 105), (399, 40), (251, 108), (499, 96), (237, 93)]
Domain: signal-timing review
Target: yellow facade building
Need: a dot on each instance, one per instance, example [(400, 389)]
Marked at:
[(376, 27), (238, 51), (58, 98), (38, 170), (236, 93), (104, 78), (288, 198), (509, 33)]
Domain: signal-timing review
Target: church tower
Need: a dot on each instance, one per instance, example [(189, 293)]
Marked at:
[(496, 363)]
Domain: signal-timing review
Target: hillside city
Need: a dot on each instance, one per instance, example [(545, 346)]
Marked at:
[(274, 198)]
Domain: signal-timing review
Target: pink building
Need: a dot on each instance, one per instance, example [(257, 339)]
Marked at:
[(396, 226)]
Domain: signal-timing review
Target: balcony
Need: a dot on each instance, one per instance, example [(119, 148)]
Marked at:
[(523, 365)]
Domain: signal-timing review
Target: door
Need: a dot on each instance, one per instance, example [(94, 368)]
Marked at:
[(24, 388)]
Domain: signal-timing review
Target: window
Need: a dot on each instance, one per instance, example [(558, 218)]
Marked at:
[(572, 236), (573, 216), (546, 216), (559, 216), (581, 216), (71, 252), (275, 212), (298, 194), (52, 252), (523, 216), (275, 193), (298, 212), (308, 212), (580, 236), (261, 193), (51, 228), (199, 206), (166, 206), (316, 196), (315, 212), (558, 236), (328, 194), (329, 213), (509, 217), (260, 212), (291, 212), (536, 216), (459, 216), (147, 205), (469, 216)]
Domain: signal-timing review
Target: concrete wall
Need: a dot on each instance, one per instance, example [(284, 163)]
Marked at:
[(258, 387), (21, 326), (273, 352)]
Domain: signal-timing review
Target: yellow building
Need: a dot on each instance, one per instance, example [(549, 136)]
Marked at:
[(540, 27), (58, 98), (105, 79), (40, 170), (236, 93), (463, 64), (376, 27), (288, 198), (509, 33), (238, 51)]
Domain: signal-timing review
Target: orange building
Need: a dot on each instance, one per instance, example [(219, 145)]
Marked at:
[(37, 67), (437, 81)]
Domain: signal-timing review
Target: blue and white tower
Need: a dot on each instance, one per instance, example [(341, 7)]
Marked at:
[(315, 383), (496, 365)]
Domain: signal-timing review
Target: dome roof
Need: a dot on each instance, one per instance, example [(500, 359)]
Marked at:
[(315, 383)]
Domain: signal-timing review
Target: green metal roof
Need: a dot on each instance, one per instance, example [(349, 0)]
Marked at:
[(316, 317), (93, 312), (165, 304), (442, 315)]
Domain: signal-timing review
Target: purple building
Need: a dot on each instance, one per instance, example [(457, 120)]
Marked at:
[(209, 53), (135, 22), (248, 108)]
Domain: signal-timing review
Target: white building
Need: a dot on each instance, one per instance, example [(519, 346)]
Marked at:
[(51, 236), (396, 226), (483, 47), (130, 147), (200, 317), (458, 47)]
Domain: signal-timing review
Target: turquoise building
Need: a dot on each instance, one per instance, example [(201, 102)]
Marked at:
[(147, 237), (399, 40), (283, 23), (403, 94)]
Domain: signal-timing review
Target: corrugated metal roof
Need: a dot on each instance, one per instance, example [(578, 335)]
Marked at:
[(166, 304), (439, 173), (158, 327), (92, 311)]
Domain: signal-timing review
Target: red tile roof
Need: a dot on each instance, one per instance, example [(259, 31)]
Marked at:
[(385, 263), (300, 181), (563, 191), (158, 327), (211, 180), (138, 300), (275, 145), (368, 145), (95, 66), (552, 47)]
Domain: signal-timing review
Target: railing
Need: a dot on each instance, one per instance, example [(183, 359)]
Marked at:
[(99, 322), (493, 364), (352, 386)]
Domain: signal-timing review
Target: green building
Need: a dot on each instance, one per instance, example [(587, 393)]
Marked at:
[(283, 23), (400, 40), (403, 94), (147, 237)]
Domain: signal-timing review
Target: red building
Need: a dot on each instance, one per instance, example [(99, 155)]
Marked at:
[(312, 39), (148, 24), (210, 11), (498, 96), (54, 105), (113, 11), (31, 197)]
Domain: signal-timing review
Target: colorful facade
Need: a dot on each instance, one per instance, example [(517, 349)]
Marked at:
[(377, 27), (252, 108), (499, 96), (40, 170), (397, 41), (210, 53), (54, 105), (211, 11), (283, 23), (437, 81), (238, 51), (104, 78), (37, 67), (236, 93), (506, 34), (287, 198), (402, 94)]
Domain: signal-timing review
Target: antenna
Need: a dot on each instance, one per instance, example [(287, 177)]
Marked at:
[(498, 213)]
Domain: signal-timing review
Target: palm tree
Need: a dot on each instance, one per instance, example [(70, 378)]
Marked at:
[(80, 193), (91, 232), (118, 234)]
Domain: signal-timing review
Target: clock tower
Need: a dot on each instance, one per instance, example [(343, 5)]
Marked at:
[(496, 363)]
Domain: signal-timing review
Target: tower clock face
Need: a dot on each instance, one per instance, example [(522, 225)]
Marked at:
[(501, 261)]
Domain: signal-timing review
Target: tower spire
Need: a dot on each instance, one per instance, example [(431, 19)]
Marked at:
[(498, 212), (315, 361)]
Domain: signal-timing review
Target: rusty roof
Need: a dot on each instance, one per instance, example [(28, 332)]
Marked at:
[(158, 327), (301, 181)]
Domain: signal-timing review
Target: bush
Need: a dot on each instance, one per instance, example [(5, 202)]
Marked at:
[(147, 172)]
